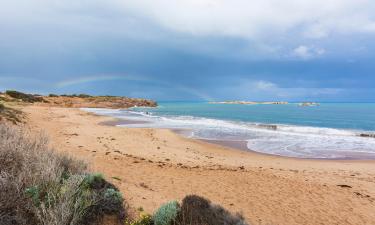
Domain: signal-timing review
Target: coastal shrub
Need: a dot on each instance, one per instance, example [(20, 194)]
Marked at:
[(53, 95), (167, 213), (145, 219), (84, 96), (196, 210), (24, 97), (41, 187)]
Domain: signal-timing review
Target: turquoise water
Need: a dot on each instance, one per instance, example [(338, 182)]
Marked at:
[(358, 116), (331, 130)]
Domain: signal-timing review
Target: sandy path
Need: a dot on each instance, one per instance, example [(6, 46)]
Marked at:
[(156, 165)]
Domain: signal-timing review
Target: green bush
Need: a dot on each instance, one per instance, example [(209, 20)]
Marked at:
[(84, 96), (93, 180), (53, 95), (112, 194), (167, 213), (24, 97), (196, 210)]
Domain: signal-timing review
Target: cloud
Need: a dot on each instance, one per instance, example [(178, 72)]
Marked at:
[(306, 52), (263, 85), (245, 29), (256, 18), (248, 19)]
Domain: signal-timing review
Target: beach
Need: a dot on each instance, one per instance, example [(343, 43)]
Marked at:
[(152, 166)]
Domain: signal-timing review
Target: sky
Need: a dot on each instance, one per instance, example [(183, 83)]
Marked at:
[(207, 50)]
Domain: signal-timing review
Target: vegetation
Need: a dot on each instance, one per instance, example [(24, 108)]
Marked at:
[(195, 210), (167, 213), (39, 186), (198, 210), (145, 219), (24, 97), (9, 114)]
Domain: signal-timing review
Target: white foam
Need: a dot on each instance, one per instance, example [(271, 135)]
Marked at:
[(286, 140)]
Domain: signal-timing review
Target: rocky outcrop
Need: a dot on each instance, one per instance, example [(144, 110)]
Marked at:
[(369, 135), (308, 104), (268, 126)]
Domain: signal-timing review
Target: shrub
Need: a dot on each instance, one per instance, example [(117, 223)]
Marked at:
[(84, 96), (145, 219), (196, 210), (53, 95), (13, 115), (41, 187), (24, 97), (167, 213)]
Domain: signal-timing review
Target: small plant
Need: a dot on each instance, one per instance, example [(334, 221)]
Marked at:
[(144, 219), (93, 180), (111, 193), (167, 213), (33, 193)]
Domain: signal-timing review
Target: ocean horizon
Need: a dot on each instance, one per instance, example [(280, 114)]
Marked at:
[(327, 131)]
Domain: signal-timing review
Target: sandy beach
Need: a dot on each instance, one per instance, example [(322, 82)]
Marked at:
[(153, 166)]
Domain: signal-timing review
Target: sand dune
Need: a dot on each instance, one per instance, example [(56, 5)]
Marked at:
[(152, 166)]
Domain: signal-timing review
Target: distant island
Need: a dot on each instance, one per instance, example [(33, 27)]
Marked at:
[(308, 104), (250, 103)]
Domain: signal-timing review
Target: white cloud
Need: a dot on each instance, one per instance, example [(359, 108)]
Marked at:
[(238, 18), (263, 85), (306, 52), (256, 18), (269, 27)]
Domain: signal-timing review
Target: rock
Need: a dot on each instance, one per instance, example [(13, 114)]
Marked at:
[(370, 135)]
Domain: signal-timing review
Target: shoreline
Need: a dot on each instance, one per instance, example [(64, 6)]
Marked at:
[(231, 144), (154, 166)]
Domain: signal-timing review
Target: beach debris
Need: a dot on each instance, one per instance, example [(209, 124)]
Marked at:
[(344, 186), (116, 178)]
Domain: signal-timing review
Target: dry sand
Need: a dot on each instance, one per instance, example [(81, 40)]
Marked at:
[(153, 166)]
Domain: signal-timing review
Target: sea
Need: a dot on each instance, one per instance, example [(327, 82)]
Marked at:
[(326, 131)]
